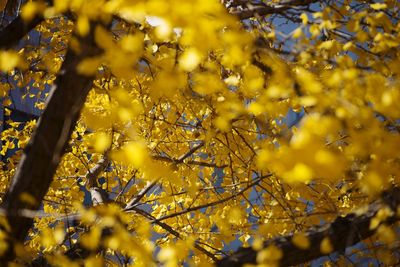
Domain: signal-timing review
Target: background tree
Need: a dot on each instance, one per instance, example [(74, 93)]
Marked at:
[(164, 138)]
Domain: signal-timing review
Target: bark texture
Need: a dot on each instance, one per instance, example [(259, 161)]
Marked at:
[(46, 147)]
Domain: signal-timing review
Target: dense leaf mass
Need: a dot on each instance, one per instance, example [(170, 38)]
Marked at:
[(174, 132)]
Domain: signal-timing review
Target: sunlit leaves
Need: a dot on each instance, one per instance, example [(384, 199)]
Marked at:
[(176, 74), (8, 60), (83, 25), (301, 241), (378, 6), (190, 59), (269, 256), (326, 246), (30, 9)]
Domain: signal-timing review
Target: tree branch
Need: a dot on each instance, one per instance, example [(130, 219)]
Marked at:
[(220, 201), (342, 232), (18, 28), (98, 194), (135, 200), (47, 145), (172, 231), (261, 10)]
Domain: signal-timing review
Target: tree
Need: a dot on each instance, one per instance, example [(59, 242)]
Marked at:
[(164, 138)]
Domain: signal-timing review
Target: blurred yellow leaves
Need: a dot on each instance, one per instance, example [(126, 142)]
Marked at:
[(168, 256), (386, 234), (308, 81), (236, 215), (373, 183), (307, 156), (380, 216), (173, 254), (94, 261), (300, 173), (326, 246), (50, 239), (297, 33), (134, 153), (190, 59), (304, 18), (31, 9), (89, 66), (378, 6), (101, 141), (82, 25), (8, 60), (91, 239), (174, 73), (301, 241), (132, 43), (269, 256)]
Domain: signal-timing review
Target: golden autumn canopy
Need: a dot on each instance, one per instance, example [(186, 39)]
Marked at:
[(199, 133)]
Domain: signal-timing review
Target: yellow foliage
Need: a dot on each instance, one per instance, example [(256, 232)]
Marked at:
[(269, 255), (8, 60), (190, 59), (217, 129), (326, 246), (301, 241)]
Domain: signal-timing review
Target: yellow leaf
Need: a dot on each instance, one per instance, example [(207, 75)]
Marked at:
[(348, 45), (372, 182), (82, 25), (297, 33), (223, 124), (256, 108), (244, 238), (301, 241), (59, 235), (29, 10), (386, 234), (166, 254), (270, 254), (326, 246), (257, 244), (304, 18), (314, 30), (235, 215), (61, 5), (136, 153), (91, 239), (374, 223), (300, 173), (94, 261), (163, 29), (8, 60), (103, 38), (308, 81), (232, 80), (89, 66), (190, 59), (327, 45), (102, 142), (132, 43), (378, 6)]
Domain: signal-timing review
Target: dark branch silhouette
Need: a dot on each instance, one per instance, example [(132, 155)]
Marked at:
[(47, 145)]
